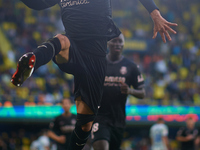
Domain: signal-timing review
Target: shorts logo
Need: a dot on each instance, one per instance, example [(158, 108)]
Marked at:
[(95, 127), (123, 70), (73, 121)]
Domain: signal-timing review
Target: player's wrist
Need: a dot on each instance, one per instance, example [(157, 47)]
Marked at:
[(130, 91), (155, 14)]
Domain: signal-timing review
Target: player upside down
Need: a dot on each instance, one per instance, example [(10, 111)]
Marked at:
[(81, 51)]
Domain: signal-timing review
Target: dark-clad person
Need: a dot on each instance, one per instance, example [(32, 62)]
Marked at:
[(81, 51), (188, 136), (62, 126), (121, 73)]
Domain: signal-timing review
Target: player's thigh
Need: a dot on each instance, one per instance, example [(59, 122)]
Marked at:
[(116, 138), (100, 136)]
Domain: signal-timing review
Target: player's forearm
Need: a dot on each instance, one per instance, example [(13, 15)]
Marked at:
[(140, 93), (149, 5), (182, 139), (53, 136), (39, 4)]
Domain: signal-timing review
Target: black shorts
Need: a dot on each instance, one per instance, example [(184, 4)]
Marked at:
[(87, 62), (112, 135)]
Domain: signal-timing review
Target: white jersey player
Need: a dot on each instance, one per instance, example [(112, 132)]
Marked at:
[(158, 135)]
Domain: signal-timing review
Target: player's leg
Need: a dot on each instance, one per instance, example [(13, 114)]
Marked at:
[(59, 45), (100, 136), (81, 133), (89, 78), (101, 145), (116, 138)]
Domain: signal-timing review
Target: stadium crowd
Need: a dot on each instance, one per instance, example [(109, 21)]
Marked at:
[(171, 70)]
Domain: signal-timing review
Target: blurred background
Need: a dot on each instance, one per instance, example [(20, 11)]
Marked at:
[(171, 71)]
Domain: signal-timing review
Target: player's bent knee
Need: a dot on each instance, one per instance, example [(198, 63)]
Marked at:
[(87, 127), (64, 41), (85, 121)]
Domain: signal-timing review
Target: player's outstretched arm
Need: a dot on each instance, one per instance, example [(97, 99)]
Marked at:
[(160, 24), (39, 4)]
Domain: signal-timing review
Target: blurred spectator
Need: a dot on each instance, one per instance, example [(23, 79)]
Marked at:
[(42, 143), (159, 135), (188, 136)]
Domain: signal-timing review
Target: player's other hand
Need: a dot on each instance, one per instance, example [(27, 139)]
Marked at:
[(62, 139), (124, 88), (162, 26), (189, 137)]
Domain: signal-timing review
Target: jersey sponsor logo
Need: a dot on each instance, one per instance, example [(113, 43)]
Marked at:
[(65, 3), (123, 70), (140, 78), (114, 80), (67, 128)]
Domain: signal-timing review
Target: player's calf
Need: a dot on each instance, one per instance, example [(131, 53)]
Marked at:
[(81, 134)]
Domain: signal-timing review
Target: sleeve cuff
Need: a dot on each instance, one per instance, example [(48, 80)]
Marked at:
[(149, 5)]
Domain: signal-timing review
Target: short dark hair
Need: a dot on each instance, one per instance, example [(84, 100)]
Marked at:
[(190, 118), (160, 119), (65, 99)]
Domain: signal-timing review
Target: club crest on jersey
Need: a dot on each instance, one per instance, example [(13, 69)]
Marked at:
[(123, 70)]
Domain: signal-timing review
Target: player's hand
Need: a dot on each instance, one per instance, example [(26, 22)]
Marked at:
[(62, 139), (162, 26), (124, 88), (189, 137)]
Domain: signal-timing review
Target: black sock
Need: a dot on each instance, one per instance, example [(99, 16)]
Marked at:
[(45, 52), (78, 139)]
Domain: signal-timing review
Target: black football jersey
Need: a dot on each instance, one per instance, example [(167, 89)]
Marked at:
[(87, 19), (112, 109), (59, 125), (189, 145)]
